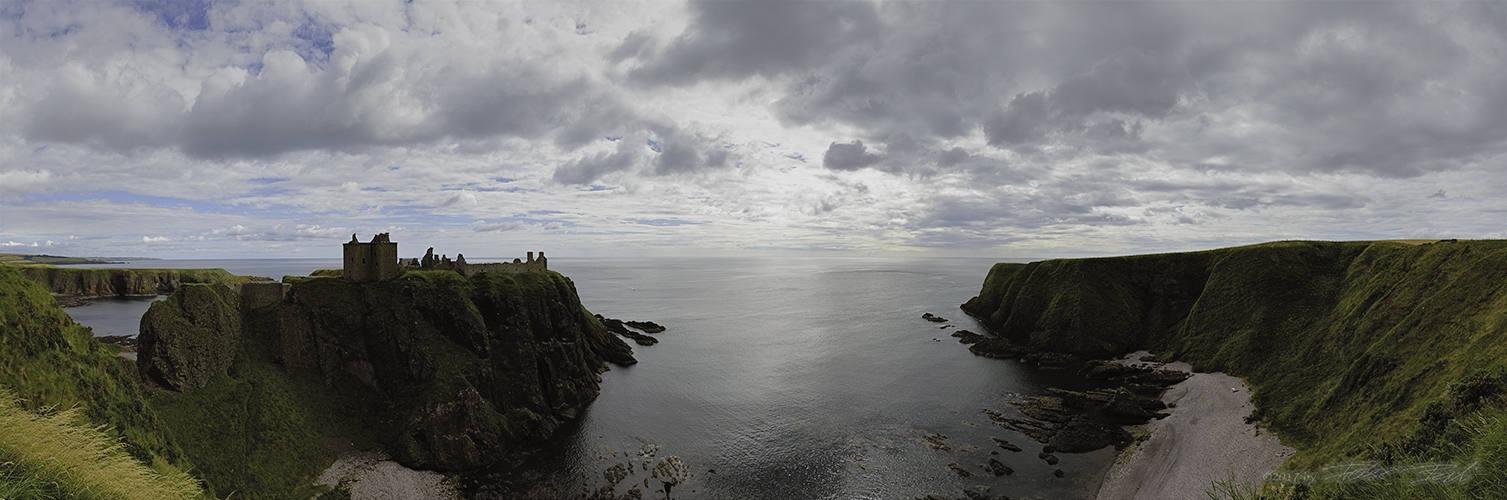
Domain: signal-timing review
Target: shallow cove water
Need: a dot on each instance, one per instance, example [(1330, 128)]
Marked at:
[(790, 378)]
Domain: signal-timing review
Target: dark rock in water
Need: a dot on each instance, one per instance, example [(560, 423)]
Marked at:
[(1051, 359), (1058, 472), (1000, 348), (933, 318), (646, 326), (999, 468), (967, 337), (976, 495), (1006, 444), (1051, 459), (1084, 421), (1104, 370), (616, 326), (959, 470), (1086, 434)]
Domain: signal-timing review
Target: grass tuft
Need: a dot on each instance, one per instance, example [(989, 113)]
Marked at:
[(48, 456)]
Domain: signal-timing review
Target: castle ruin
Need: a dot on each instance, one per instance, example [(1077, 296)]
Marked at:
[(375, 261), (379, 260)]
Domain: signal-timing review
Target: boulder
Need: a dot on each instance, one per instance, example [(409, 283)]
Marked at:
[(189, 338)]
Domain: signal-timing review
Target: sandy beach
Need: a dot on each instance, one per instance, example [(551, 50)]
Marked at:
[(1204, 440), (371, 476)]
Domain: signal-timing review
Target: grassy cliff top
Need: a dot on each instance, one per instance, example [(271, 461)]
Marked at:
[(1349, 345)]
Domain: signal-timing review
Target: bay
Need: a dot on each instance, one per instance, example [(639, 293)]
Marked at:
[(785, 378)]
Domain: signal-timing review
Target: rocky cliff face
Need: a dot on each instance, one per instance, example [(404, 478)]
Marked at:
[(99, 282), (1344, 342), (189, 338), (476, 366), (467, 369)]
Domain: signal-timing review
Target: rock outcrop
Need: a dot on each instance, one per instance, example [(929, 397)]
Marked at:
[(114, 281), (189, 338), (1343, 342), (475, 367)]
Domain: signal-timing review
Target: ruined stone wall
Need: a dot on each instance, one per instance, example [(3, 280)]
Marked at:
[(517, 266), (257, 294)]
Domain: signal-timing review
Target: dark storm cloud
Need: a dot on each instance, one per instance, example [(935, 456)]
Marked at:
[(730, 40), (591, 167), (1131, 83), (1391, 89), (851, 156)]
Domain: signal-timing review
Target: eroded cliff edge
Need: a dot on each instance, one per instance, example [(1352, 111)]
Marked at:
[(1355, 349), (442, 371), (475, 367)]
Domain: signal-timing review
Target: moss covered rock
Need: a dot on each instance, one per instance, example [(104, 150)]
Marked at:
[(189, 338), (472, 368)]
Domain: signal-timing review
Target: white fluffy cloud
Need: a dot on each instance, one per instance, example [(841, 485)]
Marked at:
[(967, 127)]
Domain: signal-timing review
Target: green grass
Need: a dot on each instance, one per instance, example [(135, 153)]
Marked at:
[(115, 281), (49, 455), (1347, 345), (49, 361), (258, 432)]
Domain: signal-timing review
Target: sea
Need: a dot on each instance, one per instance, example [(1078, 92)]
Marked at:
[(778, 378)]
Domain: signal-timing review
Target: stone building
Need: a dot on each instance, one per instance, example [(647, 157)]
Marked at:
[(373, 261)]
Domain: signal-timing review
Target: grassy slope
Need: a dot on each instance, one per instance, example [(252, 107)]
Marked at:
[(48, 455), (257, 432), (1346, 344), (48, 361)]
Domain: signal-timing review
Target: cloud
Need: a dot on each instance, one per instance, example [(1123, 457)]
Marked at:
[(590, 167), (260, 127), (22, 181), (740, 39), (851, 156), (1131, 83)]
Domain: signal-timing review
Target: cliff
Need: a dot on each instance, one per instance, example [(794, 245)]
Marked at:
[(476, 366), (1349, 346), (444, 372), (190, 337), (111, 281), (47, 360)]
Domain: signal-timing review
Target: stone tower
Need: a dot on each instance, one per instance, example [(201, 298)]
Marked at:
[(373, 261)]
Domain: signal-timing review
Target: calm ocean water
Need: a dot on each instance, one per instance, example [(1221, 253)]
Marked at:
[(790, 378)]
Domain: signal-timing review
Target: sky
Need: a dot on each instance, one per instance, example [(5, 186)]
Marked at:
[(1019, 129)]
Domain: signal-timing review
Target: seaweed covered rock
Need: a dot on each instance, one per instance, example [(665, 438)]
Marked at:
[(190, 337)]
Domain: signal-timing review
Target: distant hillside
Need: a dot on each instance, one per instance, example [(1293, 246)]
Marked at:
[(1370, 350), (117, 281), (55, 260)]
